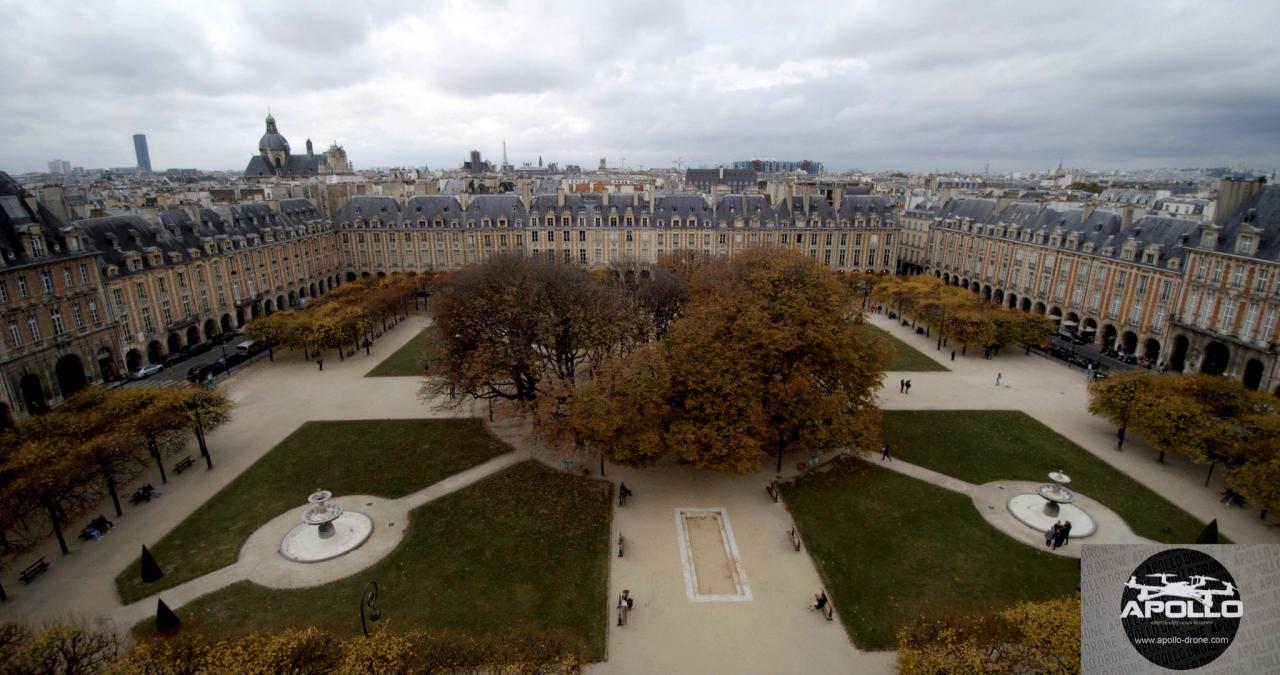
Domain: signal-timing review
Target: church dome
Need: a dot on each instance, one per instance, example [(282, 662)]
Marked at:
[(272, 140)]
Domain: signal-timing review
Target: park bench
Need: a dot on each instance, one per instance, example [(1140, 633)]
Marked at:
[(621, 543), (34, 570), (772, 489), (182, 465), (795, 538)]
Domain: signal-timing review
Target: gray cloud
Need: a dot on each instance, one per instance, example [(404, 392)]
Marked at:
[(919, 85)]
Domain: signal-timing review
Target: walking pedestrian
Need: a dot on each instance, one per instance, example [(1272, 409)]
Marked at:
[(902, 386), (1066, 533), (999, 376), (623, 493), (908, 387), (1049, 534), (321, 362), (953, 355), (884, 453)]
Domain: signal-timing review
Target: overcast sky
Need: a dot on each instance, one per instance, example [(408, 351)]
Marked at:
[(916, 86)]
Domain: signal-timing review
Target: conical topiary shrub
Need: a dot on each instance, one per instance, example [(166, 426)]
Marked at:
[(167, 622), (150, 568), (1210, 533)]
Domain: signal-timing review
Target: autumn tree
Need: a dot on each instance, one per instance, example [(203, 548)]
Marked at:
[(624, 410), (861, 284), (202, 410), (41, 473), (157, 424), (1258, 482), (972, 327), (1030, 637), (769, 355), (1116, 398), (662, 298), (517, 328), (66, 648)]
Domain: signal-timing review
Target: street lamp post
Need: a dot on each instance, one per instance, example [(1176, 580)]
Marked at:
[(369, 598)]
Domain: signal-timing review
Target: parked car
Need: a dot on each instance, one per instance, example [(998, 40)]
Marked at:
[(146, 371), (175, 358), (224, 338), (199, 347), (247, 347)]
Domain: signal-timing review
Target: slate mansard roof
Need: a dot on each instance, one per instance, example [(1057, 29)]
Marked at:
[(176, 235), (1258, 215), (1099, 232), (17, 218), (448, 209)]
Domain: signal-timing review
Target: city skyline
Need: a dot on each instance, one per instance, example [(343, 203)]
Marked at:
[(875, 87)]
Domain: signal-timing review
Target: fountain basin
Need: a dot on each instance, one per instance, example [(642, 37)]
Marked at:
[(306, 543), (1029, 509)]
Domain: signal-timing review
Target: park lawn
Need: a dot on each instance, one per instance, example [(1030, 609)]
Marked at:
[(410, 360), (891, 548), (386, 458), (521, 554), (980, 446), (906, 358)]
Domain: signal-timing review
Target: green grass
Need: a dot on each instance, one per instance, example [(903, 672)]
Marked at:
[(520, 554), (905, 357), (411, 359), (989, 445), (892, 548), (387, 458)]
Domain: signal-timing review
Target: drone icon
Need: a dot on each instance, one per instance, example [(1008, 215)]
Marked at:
[(1192, 590)]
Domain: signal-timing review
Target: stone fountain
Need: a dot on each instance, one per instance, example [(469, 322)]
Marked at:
[(326, 532), (1050, 503)]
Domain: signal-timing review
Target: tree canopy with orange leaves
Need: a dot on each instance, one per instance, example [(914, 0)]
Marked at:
[(767, 356)]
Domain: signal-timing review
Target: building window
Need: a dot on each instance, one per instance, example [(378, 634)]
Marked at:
[(46, 281), (34, 327), (37, 247), (66, 277), (15, 334), (1268, 324), (1250, 322), (1260, 279), (84, 273), (1206, 309), (1228, 319), (146, 322), (93, 312), (4, 291), (55, 317), (78, 315)]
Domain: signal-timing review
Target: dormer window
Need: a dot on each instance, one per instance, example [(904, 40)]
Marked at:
[(1246, 245), (1209, 239), (37, 247)]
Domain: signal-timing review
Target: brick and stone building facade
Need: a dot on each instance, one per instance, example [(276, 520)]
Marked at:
[(193, 275), (57, 333), (440, 232), (1197, 297)]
